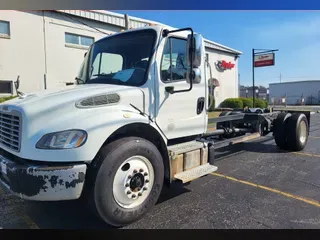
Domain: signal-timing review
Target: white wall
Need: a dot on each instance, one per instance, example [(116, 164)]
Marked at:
[(228, 79), (26, 53), (23, 53), (294, 91), (63, 62)]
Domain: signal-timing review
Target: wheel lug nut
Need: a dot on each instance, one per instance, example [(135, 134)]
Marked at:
[(133, 195), (145, 188), (146, 174), (139, 194), (127, 184), (141, 170), (129, 177), (128, 192), (135, 171), (139, 189), (147, 180)]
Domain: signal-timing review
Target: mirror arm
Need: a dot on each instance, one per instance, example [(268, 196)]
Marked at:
[(165, 34)]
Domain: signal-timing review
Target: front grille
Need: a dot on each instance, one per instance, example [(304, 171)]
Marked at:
[(10, 129)]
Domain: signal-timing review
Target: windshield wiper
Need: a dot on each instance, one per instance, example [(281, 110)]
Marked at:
[(79, 80)]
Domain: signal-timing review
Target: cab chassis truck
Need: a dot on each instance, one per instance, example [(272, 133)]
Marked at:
[(115, 137)]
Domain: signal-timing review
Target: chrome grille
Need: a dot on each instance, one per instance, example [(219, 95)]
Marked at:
[(10, 129)]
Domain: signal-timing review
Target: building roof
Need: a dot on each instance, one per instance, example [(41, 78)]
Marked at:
[(119, 20), (292, 82)]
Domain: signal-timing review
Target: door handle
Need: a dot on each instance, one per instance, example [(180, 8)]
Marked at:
[(200, 105)]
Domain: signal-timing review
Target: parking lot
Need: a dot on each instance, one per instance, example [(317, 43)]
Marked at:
[(256, 186)]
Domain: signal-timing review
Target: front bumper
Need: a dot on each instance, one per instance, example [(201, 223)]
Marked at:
[(40, 182)]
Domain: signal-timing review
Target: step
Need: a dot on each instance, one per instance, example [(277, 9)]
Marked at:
[(185, 147), (195, 173)]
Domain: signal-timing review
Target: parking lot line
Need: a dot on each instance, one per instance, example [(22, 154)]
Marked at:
[(309, 201), (31, 224), (306, 154)]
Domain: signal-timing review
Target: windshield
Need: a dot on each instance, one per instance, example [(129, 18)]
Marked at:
[(121, 59)]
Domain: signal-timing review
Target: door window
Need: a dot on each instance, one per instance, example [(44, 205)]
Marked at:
[(174, 64)]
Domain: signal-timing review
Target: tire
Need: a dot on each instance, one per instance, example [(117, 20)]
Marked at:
[(109, 202), (280, 130), (298, 132)]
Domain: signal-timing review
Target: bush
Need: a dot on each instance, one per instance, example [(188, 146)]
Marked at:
[(247, 102), (260, 103), (3, 99), (213, 104), (232, 103)]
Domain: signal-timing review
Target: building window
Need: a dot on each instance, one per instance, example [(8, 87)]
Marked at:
[(175, 50), (107, 63), (4, 29), (78, 40)]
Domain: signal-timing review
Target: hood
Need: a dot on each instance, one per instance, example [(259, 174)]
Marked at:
[(58, 106), (66, 94)]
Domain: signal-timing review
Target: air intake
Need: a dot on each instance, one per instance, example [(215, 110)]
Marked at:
[(98, 101)]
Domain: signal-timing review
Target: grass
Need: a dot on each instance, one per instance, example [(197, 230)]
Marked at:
[(3, 99), (213, 125)]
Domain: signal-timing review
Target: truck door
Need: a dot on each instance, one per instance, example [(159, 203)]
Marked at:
[(179, 114)]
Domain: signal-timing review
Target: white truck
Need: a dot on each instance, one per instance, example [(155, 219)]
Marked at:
[(136, 119)]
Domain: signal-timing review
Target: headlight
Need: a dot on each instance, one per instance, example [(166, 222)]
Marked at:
[(63, 140)]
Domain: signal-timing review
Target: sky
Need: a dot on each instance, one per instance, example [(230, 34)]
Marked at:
[(295, 33)]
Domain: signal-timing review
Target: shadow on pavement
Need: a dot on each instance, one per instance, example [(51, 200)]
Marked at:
[(75, 215), (259, 146)]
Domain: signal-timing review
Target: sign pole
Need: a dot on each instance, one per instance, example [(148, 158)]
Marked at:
[(253, 88), (263, 63)]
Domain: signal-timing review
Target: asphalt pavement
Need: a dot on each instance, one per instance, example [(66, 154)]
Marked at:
[(256, 186)]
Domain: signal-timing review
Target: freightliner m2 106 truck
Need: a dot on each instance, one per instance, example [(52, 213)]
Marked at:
[(135, 119)]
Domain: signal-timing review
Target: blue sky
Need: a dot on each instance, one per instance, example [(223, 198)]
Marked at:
[(295, 33)]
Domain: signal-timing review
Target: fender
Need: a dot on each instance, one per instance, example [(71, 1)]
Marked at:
[(99, 125)]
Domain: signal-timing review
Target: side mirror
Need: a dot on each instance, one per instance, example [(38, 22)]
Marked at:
[(195, 50), (195, 75)]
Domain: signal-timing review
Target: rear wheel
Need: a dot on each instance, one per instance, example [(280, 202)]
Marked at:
[(126, 181), (280, 132), (298, 131)]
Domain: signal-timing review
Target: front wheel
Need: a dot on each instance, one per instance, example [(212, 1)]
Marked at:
[(127, 180)]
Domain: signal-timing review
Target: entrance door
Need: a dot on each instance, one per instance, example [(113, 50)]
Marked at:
[(179, 114)]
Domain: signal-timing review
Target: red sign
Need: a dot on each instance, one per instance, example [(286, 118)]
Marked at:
[(223, 65), (264, 60)]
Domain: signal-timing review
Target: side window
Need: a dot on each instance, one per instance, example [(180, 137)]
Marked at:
[(106, 63), (173, 65), (4, 29)]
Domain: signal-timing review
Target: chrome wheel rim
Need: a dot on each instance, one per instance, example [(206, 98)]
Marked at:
[(133, 182), (303, 132)]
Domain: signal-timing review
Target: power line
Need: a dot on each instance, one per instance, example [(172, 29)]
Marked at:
[(67, 15)]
